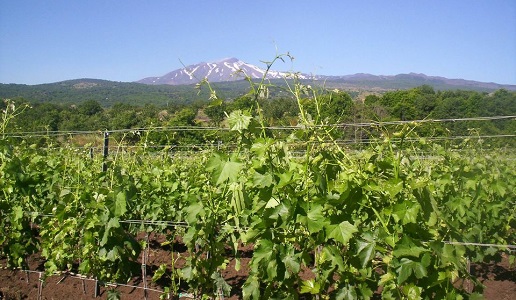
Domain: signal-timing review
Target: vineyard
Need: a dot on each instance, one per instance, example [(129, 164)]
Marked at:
[(395, 216)]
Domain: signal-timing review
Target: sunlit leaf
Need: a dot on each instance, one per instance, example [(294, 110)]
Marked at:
[(120, 204), (342, 232), (239, 120)]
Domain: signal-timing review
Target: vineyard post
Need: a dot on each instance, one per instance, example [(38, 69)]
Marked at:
[(27, 277), (96, 289), (468, 269), (106, 151), (104, 169), (144, 264), (40, 286)]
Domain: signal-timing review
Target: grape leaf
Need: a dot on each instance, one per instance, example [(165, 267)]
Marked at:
[(342, 232), (120, 204), (238, 120)]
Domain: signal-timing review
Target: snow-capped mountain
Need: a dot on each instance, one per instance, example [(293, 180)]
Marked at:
[(229, 69), (232, 69)]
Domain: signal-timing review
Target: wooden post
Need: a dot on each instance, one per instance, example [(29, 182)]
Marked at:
[(97, 289), (106, 151)]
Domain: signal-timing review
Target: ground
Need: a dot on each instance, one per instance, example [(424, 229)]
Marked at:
[(499, 279)]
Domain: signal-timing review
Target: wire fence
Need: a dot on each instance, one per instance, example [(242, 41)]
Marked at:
[(100, 140), (98, 283), (175, 224), (22, 134), (221, 146), (244, 228), (165, 292), (161, 292)]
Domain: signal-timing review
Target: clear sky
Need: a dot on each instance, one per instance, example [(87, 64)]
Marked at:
[(55, 40)]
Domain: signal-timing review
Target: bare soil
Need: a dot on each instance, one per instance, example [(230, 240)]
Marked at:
[(499, 279)]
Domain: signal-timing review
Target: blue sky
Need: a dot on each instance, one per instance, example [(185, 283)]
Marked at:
[(55, 40)]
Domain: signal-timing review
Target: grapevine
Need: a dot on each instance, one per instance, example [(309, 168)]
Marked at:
[(379, 220)]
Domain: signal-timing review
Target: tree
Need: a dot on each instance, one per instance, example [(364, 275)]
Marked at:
[(216, 113), (184, 117), (90, 108), (337, 107), (373, 109), (400, 104), (280, 110), (243, 103)]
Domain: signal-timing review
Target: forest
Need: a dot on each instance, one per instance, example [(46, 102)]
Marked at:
[(330, 106)]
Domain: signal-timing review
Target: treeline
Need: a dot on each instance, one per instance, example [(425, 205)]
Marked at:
[(329, 107), (424, 103)]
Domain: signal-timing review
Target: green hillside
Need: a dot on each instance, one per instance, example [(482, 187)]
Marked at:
[(108, 93)]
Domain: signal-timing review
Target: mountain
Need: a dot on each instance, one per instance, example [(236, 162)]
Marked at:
[(177, 87), (407, 81), (233, 69), (229, 69)]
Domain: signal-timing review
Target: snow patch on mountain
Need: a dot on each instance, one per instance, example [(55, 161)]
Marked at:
[(228, 69)]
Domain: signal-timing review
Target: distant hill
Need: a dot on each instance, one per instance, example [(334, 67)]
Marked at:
[(108, 93)]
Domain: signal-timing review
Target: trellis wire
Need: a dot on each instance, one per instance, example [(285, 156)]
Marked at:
[(182, 224), (83, 277), (480, 244), (206, 128), (192, 128), (186, 225), (207, 146)]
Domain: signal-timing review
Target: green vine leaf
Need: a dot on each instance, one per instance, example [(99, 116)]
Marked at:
[(342, 232), (409, 267), (314, 219), (262, 180), (223, 169), (290, 259), (120, 204), (406, 212), (220, 283), (365, 248), (239, 120), (310, 286), (347, 293), (159, 272), (408, 248), (251, 288)]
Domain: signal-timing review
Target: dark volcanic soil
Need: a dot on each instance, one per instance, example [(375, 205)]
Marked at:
[(499, 279)]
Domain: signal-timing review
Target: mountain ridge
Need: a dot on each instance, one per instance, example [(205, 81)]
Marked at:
[(228, 69), (233, 69)]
